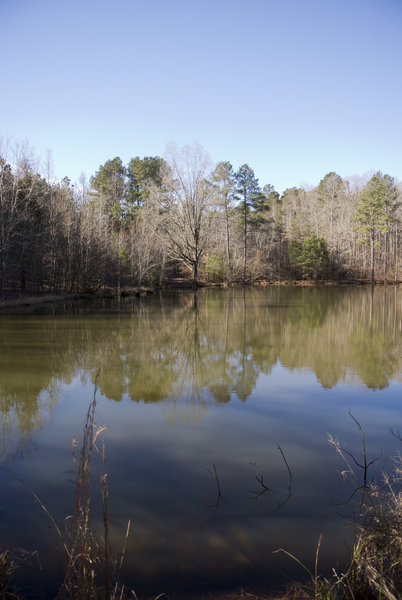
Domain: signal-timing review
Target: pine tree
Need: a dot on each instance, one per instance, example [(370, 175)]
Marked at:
[(375, 211), (248, 191)]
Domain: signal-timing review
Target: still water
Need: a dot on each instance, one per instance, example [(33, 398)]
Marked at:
[(234, 387)]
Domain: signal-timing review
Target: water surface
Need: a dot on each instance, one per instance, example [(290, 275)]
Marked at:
[(193, 386)]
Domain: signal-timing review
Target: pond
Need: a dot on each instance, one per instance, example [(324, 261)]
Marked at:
[(218, 405)]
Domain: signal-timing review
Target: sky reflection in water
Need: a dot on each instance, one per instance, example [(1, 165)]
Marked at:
[(187, 385)]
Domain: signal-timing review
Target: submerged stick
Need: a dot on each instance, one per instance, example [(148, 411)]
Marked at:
[(218, 499), (260, 478), (290, 478)]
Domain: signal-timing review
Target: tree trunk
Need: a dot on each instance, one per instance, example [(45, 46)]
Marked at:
[(228, 244), (195, 273), (245, 243), (372, 255), (385, 257)]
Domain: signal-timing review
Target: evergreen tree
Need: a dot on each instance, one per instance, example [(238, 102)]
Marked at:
[(310, 257), (248, 191), (376, 208), (223, 185), (110, 186), (141, 172)]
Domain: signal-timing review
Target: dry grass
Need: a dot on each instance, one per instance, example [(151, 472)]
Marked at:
[(375, 566), (91, 572), (7, 567), (294, 592), (375, 569)]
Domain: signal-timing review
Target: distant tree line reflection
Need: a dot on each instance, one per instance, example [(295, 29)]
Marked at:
[(194, 350)]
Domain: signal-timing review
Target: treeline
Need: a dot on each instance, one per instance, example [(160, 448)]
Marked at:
[(155, 218)]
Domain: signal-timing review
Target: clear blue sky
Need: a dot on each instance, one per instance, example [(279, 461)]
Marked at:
[(294, 88)]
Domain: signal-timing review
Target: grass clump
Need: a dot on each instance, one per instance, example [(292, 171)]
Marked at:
[(91, 573), (7, 567), (374, 570)]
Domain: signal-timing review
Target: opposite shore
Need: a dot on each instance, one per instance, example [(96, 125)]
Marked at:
[(13, 299)]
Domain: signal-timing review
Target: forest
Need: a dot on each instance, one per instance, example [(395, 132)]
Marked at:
[(155, 219)]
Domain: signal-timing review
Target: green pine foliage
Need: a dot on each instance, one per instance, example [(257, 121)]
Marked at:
[(376, 207), (310, 258), (375, 212)]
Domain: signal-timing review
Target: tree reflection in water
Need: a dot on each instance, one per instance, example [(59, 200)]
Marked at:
[(187, 381), (194, 348)]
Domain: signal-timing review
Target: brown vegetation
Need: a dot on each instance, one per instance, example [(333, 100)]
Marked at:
[(156, 219)]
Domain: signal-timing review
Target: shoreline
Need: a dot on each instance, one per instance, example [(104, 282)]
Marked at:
[(15, 299)]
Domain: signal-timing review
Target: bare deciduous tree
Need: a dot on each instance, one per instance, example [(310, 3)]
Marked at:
[(184, 202)]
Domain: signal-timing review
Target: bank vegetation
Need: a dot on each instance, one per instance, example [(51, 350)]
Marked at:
[(155, 219)]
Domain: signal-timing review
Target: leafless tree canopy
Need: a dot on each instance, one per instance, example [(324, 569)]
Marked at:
[(181, 216)]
